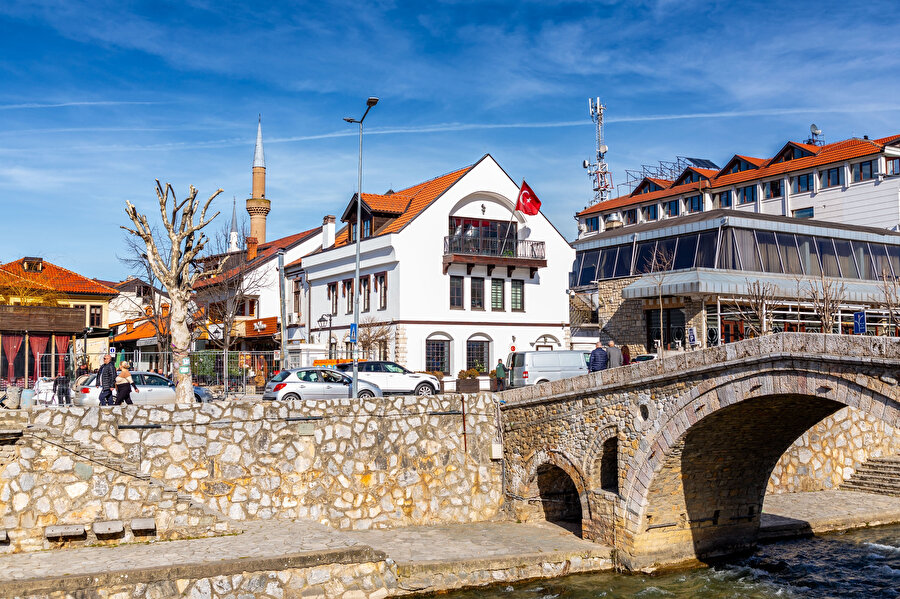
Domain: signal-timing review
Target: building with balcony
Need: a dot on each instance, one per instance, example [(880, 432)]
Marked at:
[(451, 276), (854, 181), (723, 275)]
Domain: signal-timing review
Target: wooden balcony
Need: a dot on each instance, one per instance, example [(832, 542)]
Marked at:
[(493, 252)]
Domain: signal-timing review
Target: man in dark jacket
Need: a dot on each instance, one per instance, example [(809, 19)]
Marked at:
[(106, 379), (599, 359)]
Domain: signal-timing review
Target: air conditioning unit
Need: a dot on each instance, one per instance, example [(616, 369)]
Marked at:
[(292, 318)]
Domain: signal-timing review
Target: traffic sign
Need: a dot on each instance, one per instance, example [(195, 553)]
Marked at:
[(859, 323), (184, 369), (112, 352), (353, 332)]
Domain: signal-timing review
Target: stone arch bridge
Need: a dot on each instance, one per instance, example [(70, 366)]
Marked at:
[(668, 460)]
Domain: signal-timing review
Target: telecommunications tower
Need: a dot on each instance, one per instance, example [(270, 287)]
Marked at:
[(598, 171)]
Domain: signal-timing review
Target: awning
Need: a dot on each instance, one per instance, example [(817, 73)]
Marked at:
[(704, 281)]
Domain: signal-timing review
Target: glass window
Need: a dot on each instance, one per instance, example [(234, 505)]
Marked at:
[(728, 255), (589, 267), (607, 264), (863, 171), (809, 257), (746, 195), (845, 258), (152, 380), (665, 253), (684, 253), (623, 261), (576, 269), (650, 212), (790, 257), (694, 204), (894, 255), (746, 245), (364, 293), (768, 251), (367, 228), (333, 296), (706, 250), (308, 376), (348, 293), (477, 355), (833, 177), (772, 189), (863, 259), (629, 217), (892, 166), (644, 260), (517, 295), (803, 212), (592, 224), (672, 207), (802, 183), (477, 293), (497, 302), (96, 315), (828, 257), (882, 261), (724, 199), (437, 356), (381, 281), (456, 292)]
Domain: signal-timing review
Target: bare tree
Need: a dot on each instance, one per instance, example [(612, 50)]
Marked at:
[(657, 267), (890, 299), (827, 296), (756, 309), (372, 334), (176, 270), (153, 307)]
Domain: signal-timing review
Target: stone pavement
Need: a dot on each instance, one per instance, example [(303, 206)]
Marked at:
[(796, 514)]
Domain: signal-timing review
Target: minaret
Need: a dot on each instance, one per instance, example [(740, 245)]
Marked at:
[(258, 206), (233, 244)]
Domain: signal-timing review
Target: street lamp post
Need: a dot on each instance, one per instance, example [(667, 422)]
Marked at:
[(323, 320), (372, 101)]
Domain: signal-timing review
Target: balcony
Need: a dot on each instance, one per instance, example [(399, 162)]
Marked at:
[(493, 252)]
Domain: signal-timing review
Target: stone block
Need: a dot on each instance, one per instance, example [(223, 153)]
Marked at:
[(109, 527), (64, 531), (143, 525)]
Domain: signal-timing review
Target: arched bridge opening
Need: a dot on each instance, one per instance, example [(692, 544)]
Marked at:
[(559, 498)]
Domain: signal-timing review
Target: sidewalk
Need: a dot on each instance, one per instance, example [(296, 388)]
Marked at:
[(792, 515)]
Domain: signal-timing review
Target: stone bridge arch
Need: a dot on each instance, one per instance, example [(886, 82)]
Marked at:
[(695, 487), (553, 485)]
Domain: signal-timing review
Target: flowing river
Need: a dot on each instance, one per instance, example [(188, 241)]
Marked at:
[(863, 563)]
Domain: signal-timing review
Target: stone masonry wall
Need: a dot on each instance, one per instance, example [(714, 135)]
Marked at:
[(624, 318), (830, 452), (350, 464)]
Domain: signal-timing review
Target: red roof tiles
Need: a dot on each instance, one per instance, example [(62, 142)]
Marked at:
[(57, 278)]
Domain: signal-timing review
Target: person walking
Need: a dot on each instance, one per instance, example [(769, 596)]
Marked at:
[(626, 356), (124, 385), (106, 378), (599, 358), (501, 376), (614, 354), (61, 389)]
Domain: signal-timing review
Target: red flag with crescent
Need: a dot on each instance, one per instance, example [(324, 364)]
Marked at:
[(527, 201)]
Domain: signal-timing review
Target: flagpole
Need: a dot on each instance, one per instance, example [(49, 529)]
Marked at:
[(512, 216)]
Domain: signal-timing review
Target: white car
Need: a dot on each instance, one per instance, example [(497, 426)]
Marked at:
[(152, 389), (394, 379)]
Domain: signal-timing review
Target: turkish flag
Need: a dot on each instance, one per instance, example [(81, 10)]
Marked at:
[(527, 201)]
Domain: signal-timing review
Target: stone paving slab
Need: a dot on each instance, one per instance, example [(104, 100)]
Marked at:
[(796, 514)]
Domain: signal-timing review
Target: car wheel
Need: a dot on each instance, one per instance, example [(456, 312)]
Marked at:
[(424, 389), (290, 397), (365, 394), (197, 398)]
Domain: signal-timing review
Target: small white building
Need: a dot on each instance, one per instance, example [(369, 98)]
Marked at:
[(449, 271)]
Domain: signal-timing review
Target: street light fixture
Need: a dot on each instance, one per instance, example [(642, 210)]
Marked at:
[(372, 101), (323, 320)]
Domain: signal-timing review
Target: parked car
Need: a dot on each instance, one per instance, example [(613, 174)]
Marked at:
[(643, 358), (152, 389), (533, 367), (315, 383), (394, 379)]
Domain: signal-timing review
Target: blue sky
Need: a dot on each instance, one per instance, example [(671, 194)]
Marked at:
[(97, 99)]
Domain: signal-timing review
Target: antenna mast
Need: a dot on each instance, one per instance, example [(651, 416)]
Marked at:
[(599, 171)]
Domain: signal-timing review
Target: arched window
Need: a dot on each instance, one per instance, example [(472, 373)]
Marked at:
[(478, 352), (437, 353)]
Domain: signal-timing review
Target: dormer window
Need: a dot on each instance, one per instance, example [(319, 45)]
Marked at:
[(738, 164), (647, 186), (792, 152), (32, 264)]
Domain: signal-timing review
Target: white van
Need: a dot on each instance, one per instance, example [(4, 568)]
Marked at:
[(533, 367)]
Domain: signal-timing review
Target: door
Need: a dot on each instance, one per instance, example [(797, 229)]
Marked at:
[(157, 389), (375, 373), (394, 378), (335, 384)]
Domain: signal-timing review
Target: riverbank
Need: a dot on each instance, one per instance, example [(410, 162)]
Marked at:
[(275, 559)]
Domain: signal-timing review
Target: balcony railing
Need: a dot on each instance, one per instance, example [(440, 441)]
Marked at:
[(494, 247)]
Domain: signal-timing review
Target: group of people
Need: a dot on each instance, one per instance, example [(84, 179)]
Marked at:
[(608, 357), (108, 377)]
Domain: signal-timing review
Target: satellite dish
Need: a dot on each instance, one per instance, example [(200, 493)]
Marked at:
[(585, 164), (603, 149), (815, 130)]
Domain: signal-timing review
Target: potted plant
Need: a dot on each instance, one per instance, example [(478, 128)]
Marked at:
[(467, 381)]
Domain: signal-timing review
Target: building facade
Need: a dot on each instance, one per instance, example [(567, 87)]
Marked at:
[(451, 276)]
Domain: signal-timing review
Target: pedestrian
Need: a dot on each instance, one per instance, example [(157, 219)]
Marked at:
[(599, 358), (124, 385), (501, 376), (106, 378), (626, 355), (82, 369), (61, 389), (614, 354)]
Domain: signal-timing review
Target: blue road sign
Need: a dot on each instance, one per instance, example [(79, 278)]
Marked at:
[(859, 323), (352, 333)]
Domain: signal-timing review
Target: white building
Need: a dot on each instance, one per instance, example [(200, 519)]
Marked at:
[(854, 181), (449, 268)]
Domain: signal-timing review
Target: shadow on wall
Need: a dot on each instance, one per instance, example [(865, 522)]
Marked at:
[(559, 498)]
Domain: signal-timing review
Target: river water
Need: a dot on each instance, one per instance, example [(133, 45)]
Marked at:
[(858, 564)]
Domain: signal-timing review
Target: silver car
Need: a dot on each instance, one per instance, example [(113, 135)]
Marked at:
[(152, 389), (315, 383)]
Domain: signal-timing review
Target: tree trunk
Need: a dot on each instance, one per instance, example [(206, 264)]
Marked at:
[(181, 345)]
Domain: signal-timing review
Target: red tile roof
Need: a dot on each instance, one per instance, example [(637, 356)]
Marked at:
[(58, 279), (840, 151)]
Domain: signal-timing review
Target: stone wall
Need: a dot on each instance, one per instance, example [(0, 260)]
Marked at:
[(625, 323), (349, 464), (830, 452)]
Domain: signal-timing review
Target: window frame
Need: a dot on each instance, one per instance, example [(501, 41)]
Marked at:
[(501, 285), (513, 283), (857, 174), (743, 194), (444, 362), (332, 294), (381, 281), (476, 284), (693, 204), (646, 210), (95, 315), (457, 292), (672, 208), (810, 183), (630, 216), (365, 294), (826, 177)]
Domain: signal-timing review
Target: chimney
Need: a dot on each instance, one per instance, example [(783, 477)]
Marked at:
[(251, 248), (328, 231)]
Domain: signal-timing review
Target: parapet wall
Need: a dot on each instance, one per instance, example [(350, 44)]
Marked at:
[(351, 464)]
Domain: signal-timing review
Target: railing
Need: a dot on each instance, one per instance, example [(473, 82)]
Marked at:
[(493, 246)]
